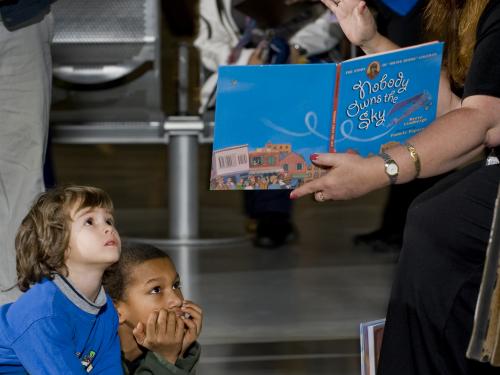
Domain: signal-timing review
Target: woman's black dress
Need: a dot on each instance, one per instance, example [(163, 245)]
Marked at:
[(431, 310)]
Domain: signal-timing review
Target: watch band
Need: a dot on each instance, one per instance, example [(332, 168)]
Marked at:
[(393, 177)]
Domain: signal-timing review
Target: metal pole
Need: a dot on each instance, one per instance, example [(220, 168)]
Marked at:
[(183, 192), (183, 174), (187, 266), (183, 76)]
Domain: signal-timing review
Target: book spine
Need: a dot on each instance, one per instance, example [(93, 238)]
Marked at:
[(335, 105)]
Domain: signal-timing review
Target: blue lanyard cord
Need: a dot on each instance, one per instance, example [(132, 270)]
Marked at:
[(401, 7)]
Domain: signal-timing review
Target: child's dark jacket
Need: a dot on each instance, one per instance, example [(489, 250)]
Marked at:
[(152, 364)]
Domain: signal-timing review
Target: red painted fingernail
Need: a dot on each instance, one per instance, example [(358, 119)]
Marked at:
[(293, 196), (314, 157)]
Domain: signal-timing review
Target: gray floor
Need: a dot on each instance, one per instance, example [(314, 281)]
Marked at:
[(294, 310)]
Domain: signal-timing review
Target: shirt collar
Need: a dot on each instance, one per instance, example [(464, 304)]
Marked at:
[(78, 298)]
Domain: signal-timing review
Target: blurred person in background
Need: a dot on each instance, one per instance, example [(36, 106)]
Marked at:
[(226, 37), (26, 28)]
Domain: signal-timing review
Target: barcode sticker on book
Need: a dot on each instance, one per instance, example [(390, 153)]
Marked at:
[(232, 160)]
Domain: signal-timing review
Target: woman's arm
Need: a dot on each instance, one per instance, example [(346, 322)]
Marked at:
[(460, 135), (447, 143), (453, 139), (360, 28), (447, 100), (358, 25)]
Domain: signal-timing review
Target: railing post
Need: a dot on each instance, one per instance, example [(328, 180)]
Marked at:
[(183, 187)]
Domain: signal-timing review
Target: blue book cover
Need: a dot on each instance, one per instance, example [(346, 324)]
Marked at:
[(270, 118)]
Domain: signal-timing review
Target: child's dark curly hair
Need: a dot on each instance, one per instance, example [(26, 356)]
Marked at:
[(118, 275), (43, 237)]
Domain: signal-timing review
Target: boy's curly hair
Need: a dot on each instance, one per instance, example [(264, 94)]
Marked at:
[(43, 237), (117, 277)]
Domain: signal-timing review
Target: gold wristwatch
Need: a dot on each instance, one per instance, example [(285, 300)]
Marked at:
[(391, 167)]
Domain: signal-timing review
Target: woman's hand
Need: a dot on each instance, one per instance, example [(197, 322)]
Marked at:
[(193, 322), (355, 19), (164, 334), (349, 176)]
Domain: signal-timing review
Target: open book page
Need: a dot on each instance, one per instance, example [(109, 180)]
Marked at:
[(268, 120), (386, 98)]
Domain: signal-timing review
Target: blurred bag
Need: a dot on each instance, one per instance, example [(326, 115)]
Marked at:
[(484, 345), (401, 7), (278, 51)]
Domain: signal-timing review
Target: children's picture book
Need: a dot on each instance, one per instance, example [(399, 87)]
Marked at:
[(371, 334), (270, 118)]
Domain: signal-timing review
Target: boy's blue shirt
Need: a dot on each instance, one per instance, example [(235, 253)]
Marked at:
[(52, 330)]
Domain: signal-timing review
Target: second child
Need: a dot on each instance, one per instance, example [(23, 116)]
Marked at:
[(158, 327)]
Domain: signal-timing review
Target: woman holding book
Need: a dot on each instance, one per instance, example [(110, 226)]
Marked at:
[(431, 311)]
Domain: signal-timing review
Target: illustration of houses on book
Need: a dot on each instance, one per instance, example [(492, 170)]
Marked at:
[(273, 166), (269, 119)]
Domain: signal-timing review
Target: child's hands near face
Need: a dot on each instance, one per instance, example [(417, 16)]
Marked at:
[(164, 334), (192, 324)]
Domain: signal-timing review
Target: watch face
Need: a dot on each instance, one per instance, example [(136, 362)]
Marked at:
[(392, 169)]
